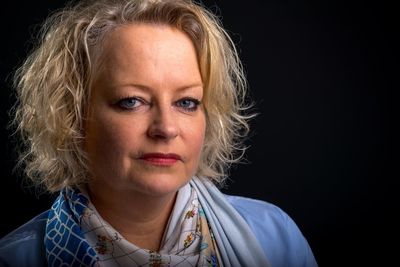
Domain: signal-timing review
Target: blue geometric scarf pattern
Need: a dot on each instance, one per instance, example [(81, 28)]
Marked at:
[(65, 242)]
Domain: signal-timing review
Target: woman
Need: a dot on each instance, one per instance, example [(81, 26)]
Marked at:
[(133, 109)]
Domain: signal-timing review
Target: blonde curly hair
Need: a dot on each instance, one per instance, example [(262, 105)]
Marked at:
[(53, 86)]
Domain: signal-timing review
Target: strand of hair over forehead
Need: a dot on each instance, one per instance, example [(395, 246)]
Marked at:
[(52, 88)]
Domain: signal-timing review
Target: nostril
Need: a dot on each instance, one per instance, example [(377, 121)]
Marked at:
[(163, 131)]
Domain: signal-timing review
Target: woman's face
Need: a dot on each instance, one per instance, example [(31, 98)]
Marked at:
[(146, 125)]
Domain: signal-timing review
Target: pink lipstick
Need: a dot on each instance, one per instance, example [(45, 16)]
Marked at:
[(160, 159)]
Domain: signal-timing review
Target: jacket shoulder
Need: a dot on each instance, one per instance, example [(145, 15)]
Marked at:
[(278, 234), (25, 245)]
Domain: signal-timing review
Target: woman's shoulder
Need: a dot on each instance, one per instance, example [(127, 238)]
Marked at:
[(24, 246), (264, 218), (254, 207), (279, 236)]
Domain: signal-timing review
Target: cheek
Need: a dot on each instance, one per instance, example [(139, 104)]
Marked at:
[(196, 136), (107, 138)]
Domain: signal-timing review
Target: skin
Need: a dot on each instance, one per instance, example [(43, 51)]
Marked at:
[(146, 98)]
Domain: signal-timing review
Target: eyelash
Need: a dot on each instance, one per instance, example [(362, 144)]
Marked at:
[(193, 101), (193, 105), (121, 103)]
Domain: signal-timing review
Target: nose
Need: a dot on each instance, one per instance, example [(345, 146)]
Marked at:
[(163, 124)]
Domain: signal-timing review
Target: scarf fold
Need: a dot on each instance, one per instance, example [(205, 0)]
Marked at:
[(203, 230), (236, 242)]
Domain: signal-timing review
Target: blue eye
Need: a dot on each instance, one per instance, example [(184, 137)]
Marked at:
[(189, 104), (129, 103)]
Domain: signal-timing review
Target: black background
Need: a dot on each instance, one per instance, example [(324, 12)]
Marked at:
[(321, 74)]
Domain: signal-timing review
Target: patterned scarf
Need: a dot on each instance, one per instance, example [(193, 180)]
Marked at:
[(76, 235)]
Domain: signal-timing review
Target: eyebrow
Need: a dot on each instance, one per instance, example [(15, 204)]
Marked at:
[(148, 88)]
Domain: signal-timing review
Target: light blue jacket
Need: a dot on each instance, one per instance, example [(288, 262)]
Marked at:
[(280, 238)]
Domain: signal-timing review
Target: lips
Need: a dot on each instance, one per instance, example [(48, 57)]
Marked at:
[(160, 159)]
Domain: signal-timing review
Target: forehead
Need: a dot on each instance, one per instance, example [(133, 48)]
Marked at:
[(136, 46), (147, 53)]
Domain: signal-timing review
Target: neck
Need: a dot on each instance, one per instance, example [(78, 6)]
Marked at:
[(140, 219)]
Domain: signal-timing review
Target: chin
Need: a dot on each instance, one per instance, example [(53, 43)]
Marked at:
[(161, 185)]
